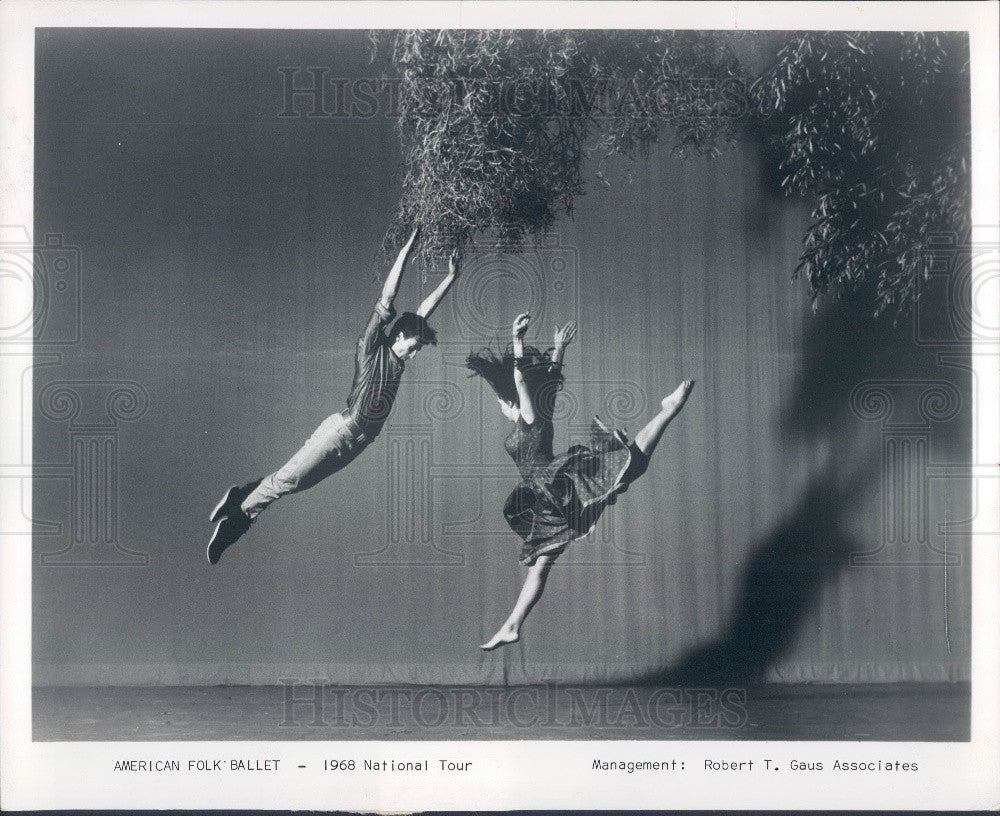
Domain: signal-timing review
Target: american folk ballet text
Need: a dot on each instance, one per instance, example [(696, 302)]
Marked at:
[(160, 765)]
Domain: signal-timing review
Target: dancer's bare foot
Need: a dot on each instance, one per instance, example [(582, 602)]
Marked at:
[(676, 401), (507, 634)]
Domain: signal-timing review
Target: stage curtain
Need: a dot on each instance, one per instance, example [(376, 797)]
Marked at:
[(794, 523)]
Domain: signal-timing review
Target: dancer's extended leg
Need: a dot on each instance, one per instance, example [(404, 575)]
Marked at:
[(531, 591), (333, 445), (648, 438)]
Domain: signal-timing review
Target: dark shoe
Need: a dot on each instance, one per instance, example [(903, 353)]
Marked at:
[(227, 532), (229, 504)]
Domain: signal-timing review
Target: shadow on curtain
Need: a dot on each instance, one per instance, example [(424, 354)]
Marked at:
[(788, 567)]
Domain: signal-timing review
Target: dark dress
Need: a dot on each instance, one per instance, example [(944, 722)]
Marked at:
[(560, 498)]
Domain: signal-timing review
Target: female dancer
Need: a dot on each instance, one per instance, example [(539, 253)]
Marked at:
[(560, 498)]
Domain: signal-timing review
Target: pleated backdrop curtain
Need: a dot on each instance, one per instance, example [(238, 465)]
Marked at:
[(228, 265)]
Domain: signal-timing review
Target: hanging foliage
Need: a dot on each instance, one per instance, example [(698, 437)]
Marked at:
[(875, 128), (495, 124)]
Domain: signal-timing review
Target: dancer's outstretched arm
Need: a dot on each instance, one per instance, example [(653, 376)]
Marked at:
[(434, 298), (391, 286), (564, 336), (531, 591), (523, 394)]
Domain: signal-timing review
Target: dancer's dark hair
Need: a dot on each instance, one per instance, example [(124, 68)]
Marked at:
[(410, 324), (542, 375)]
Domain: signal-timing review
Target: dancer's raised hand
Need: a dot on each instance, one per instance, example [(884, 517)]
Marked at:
[(391, 285), (404, 253), (431, 302), (520, 326), (565, 335)]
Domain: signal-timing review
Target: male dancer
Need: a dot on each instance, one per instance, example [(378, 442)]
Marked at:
[(381, 358)]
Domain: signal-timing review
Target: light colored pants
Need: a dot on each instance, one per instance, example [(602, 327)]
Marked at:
[(333, 445)]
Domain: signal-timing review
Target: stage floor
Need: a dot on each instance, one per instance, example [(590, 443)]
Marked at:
[(882, 712)]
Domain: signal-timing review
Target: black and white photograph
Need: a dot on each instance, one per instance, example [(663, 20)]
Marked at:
[(392, 391)]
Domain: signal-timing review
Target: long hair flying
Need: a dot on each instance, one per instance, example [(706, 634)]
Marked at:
[(542, 375)]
